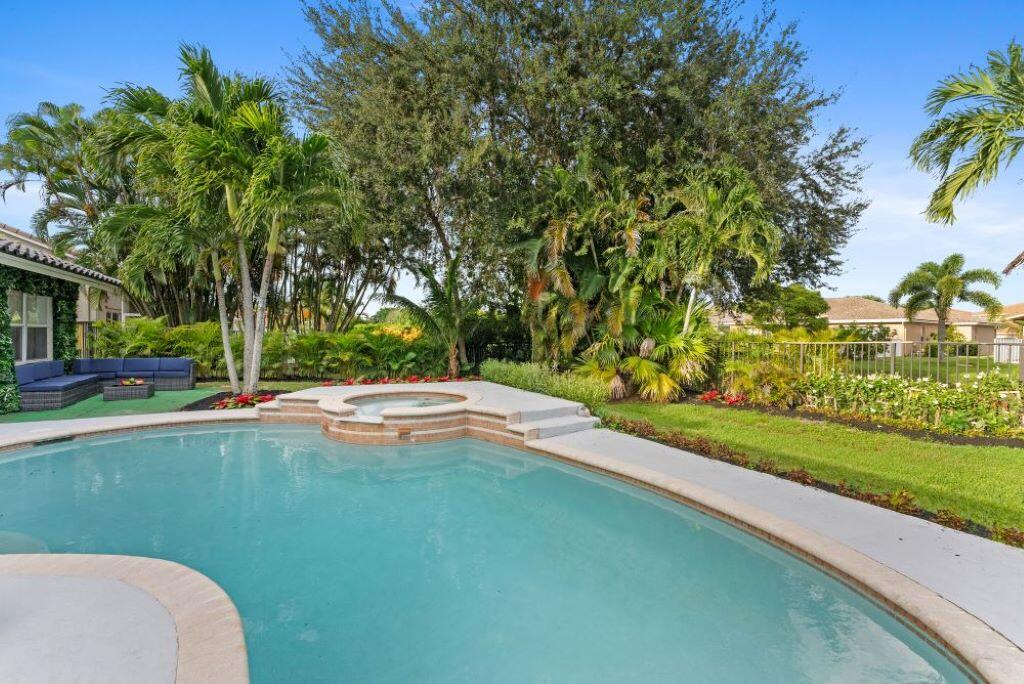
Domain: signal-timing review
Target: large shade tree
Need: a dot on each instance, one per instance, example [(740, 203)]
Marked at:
[(938, 286)]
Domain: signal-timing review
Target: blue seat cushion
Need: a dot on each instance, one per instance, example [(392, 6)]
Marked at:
[(62, 382), (25, 373), (170, 374), (136, 365), (176, 365), (135, 374)]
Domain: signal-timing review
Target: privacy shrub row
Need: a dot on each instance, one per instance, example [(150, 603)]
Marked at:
[(371, 350), (535, 377)]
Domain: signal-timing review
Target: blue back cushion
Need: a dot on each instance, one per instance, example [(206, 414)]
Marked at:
[(131, 365), (49, 369), (181, 365), (81, 366), (107, 365), (25, 373)]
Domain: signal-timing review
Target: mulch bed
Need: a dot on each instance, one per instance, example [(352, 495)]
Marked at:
[(206, 403), (870, 426)]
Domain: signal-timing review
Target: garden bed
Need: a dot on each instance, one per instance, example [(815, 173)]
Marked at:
[(209, 403)]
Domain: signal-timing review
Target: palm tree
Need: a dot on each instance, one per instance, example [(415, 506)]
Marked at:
[(717, 214), (940, 286), (966, 148), (289, 178), (444, 314)]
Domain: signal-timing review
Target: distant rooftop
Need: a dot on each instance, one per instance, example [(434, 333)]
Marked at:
[(864, 310)]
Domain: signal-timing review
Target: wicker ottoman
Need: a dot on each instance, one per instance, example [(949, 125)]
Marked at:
[(118, 392)]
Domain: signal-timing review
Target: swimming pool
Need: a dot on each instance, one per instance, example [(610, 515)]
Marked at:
[(457, 561)]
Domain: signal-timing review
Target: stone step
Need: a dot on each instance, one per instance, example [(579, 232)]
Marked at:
[(553, 427), (534, 415)]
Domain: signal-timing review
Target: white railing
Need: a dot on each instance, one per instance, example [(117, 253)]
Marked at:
[(949, 362)]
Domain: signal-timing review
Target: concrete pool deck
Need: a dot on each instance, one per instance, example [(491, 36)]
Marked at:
[(965, 591)]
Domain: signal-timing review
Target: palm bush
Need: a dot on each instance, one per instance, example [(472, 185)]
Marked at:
[(535, 377)]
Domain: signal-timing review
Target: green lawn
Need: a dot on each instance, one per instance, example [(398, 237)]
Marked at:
[(95, 407), (985, 484)]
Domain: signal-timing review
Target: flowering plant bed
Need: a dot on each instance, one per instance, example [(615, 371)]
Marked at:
[(715, 396), (241, 401)]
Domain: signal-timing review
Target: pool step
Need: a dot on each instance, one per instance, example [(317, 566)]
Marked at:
[(569, 411), (552, 427)]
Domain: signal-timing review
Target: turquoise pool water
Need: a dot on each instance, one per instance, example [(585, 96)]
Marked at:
[(455, 562), (372, 406)]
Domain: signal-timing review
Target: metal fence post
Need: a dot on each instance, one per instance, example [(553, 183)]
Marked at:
[(801, 358)]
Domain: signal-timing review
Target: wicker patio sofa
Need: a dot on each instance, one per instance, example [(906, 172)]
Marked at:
[(165, 373), (43, 385)]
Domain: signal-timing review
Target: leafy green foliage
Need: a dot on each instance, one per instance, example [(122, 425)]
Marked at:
[(987, 404), (368, 350), (792, 306), (534, 377)]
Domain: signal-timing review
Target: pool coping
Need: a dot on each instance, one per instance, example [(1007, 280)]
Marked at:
[(981, 647), (208, 628)]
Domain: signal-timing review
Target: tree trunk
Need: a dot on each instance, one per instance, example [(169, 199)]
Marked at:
[(253, 377), (225, 326), (940, 334), (689, 309), (244, 281), (453, 361)]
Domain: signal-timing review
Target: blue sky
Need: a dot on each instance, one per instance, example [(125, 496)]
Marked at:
[(884, 56)]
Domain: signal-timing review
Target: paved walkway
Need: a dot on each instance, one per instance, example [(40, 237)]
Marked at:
[(983, 577), (83, 629)]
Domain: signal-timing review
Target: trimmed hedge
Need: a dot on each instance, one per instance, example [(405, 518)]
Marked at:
[(535, 377)]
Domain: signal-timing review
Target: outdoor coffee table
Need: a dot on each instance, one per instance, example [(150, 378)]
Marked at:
[(118, 392)]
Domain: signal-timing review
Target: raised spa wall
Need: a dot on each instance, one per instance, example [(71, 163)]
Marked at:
[(464, 417)]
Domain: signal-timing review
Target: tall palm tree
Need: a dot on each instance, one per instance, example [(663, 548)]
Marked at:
[(967, 147), (717, 214), (940, 286), (444, 314), (289, 178)]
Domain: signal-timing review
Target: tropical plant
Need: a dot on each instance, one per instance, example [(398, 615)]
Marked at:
[(716, 216), (445, 312), (967, 147), (651, 354), (938, 287)]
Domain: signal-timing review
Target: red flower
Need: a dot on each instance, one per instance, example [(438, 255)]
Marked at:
[(710, 395), (328, 383), (733, 399)]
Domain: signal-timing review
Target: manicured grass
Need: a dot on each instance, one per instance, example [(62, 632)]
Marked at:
[(984, 483), (95, 407)]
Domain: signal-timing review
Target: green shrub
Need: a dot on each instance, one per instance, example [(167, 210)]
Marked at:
[(535, 377), (367, 350), (987, 404)]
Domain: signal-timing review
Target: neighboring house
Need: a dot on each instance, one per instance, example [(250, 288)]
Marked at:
[(50, 301), (863, 312), (1011, 321)]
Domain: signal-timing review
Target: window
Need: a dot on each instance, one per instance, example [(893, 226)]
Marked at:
[(31, 326)]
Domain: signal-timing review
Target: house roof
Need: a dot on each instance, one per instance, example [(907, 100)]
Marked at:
[(864, 310), (21, 247), (1013, 311)]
